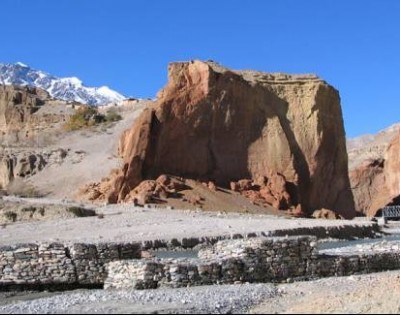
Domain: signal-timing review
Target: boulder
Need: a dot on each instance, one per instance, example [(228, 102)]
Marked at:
[(242, 185), (271, 191), (92, 191), (326, 214), (212, 186), (144, 193), (297, 211), (154, 191), (214, 124)]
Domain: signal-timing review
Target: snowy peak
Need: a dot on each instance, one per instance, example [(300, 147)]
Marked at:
[(21, 64), (73, 81), (67, 89)]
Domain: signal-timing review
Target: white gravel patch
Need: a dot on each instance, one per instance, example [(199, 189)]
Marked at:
[(365, 247), (197, 300)]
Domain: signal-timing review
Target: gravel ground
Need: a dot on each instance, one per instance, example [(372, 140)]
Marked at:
[(197, 300), (377, 293), (125, 223), (99, 156)]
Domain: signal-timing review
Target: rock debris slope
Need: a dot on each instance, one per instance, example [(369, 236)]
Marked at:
[(214, 124)]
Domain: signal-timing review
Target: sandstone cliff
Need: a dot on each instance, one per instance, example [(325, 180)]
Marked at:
[(392, 170), (26, 111), (369, 186), (370, 147), (214, 124), (374, 170), (28, 120)]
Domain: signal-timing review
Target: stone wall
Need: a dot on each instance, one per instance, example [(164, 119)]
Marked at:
[(56, 264), (252, 260), (345, 231), (273, 259), (231, 261), (347, 265)]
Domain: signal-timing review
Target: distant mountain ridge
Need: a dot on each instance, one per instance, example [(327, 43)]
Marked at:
[(67, 89)]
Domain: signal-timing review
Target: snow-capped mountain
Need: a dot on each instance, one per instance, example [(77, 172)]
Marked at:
[(68, 89)]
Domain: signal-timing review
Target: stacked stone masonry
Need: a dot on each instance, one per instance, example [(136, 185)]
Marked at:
[(38, 265), (251, 260), (263, 259)]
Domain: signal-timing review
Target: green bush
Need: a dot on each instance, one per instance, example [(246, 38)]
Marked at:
[(88, 116)]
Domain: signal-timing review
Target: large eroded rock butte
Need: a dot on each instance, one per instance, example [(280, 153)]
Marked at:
[(214, 124)]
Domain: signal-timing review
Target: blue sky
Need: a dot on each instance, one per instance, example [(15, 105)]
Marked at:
[(127, 44)]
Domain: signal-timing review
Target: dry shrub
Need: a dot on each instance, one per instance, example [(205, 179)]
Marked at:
[(11, 216), (83, 118)]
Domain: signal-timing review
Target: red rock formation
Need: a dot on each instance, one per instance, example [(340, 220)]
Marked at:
[(213, 124), (369, 187), (392, 168), (376, 182), (155, 190), (272, 191)]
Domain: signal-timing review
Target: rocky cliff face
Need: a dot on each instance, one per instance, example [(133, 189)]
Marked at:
[(392, 170), (374, 170), (370, 147), (214, 124), (17, 106), (369, 186), (28, 119), (26, 111)]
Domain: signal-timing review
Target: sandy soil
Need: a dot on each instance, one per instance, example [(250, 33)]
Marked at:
[(98, 150)]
